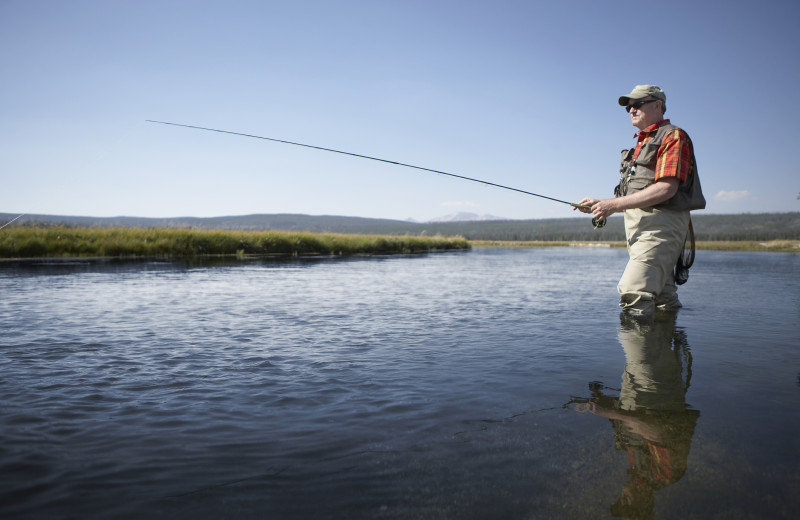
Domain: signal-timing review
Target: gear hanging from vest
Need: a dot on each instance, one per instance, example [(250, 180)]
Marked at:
[(686, 258)]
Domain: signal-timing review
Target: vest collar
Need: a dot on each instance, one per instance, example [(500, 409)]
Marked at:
[(652, 128)]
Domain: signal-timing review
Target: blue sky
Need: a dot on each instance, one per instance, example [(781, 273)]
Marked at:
[(519, 93)]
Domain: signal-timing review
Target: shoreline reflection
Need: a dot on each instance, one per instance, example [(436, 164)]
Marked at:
[(651, 419)]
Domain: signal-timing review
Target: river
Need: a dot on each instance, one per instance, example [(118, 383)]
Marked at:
[(493, 383)]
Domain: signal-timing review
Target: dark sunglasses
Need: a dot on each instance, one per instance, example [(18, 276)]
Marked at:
[(638, 104)]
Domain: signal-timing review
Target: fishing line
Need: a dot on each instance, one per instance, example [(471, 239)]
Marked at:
[(12, 220), (597, 223)]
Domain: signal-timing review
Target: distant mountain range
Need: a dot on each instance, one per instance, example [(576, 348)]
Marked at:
[(762, 226), (466, 217)]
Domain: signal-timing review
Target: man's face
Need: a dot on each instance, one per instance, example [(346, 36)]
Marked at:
[(645, 112)]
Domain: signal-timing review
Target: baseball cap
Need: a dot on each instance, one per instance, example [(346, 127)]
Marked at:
[(642, 91)]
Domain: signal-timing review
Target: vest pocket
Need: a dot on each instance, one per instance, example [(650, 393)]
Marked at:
[(648, 153), (638, 183)]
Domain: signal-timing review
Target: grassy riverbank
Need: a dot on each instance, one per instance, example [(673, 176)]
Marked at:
[(66, 242), (782, 246), (61, 241)]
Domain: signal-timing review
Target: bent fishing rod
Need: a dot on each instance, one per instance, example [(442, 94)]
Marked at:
[(597, 223)]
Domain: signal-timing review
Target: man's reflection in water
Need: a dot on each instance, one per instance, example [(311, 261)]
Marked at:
[(650, 417)]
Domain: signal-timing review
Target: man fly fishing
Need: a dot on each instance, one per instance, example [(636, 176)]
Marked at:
[(658, 186)]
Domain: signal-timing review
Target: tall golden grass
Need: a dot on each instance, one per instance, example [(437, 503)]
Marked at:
[(61, 241)]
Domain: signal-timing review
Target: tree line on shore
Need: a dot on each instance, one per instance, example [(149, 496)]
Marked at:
[(707, 227)]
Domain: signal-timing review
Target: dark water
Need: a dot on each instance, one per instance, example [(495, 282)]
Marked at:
[(487, 384)]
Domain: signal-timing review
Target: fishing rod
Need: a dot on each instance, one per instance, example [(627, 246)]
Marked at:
[(12, 220), (597, 223)]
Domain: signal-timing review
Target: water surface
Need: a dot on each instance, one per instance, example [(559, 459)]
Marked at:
[(496, 383)]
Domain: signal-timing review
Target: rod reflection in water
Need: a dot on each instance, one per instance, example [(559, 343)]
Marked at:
[(652, 421)]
